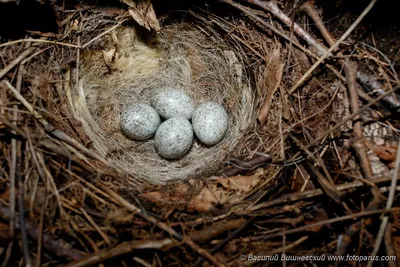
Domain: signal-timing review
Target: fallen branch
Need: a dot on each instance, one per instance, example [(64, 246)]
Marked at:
[(357, 144), (365, 79), (272, 7), (333, 47), (377, 88), (359, 147), (309, 9)]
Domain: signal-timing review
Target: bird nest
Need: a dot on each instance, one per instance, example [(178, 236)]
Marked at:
[(127, 67), (310, 155)]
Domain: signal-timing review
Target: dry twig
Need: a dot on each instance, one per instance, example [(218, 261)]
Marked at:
[(16, 61), (272, 7), (358, 143), (57, 133), (321, 50)]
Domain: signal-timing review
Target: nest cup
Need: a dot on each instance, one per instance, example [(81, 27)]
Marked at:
[(128, 68)]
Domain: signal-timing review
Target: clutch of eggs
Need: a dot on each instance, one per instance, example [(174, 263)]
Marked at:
[(174, 137)]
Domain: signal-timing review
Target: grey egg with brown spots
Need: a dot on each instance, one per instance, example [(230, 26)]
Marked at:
[(172, 102), (210, 122), (174, 138), (139, 121)]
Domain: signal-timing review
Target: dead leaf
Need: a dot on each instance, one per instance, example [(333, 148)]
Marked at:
[(386, 153), (232, 190), (177, 195), (207, 199), (143, 13), (242, 183), (109, 56), (220, 190), (75, 25), (272, 77)]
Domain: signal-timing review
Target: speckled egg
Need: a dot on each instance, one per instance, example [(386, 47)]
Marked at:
[(139, 121), (171, 102), (210, 122), (174, 138)]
